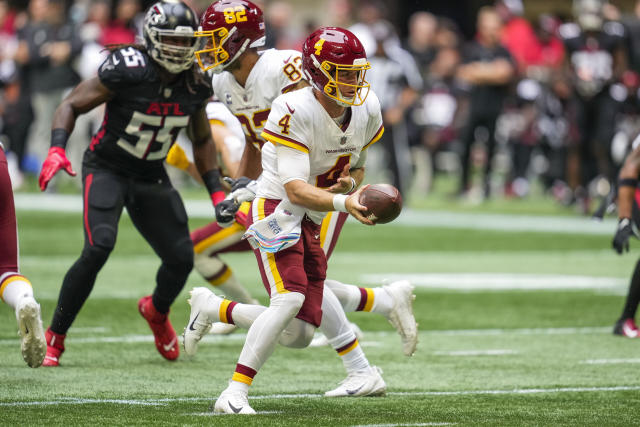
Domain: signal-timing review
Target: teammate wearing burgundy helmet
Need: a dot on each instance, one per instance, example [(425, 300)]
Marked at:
[(314, 135), (151, 93), (15, 289), (247, 82)]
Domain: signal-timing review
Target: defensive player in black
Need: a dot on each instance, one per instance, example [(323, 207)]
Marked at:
[(628, 218), (596, 57), (151, 92)]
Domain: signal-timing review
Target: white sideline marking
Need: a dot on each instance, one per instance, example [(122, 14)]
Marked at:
[(240, 337), (609, 361), (404, 424), (498, 281), (408, 218), (166, 401), (475, 353)]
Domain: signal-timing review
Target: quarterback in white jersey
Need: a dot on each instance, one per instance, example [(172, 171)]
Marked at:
[(299, 121)]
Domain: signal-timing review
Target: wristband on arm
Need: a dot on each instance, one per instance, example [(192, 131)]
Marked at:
[(211, 180), (59, 138), (339, 202), (627, 182)]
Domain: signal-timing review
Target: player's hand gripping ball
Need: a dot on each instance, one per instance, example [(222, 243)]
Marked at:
[(383, 201)]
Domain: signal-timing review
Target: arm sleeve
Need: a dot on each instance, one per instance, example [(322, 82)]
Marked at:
[(292, 164), (375, 129)]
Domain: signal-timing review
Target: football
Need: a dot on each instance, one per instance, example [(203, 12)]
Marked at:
[(383, 201)]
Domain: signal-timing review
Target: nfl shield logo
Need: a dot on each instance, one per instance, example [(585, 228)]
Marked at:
[(167, 92), (343, 140), (228, 98)]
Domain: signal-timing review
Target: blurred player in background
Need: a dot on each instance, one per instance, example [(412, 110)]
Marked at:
[(595, 58), (151, 92), (247, 82), (628, 223), (15, 289), (317, 139)]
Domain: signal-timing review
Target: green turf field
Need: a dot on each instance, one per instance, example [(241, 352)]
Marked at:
[(515, 330)]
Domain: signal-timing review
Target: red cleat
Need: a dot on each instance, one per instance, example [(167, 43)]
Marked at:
[(55, 348), (626, 328), (163, 332)]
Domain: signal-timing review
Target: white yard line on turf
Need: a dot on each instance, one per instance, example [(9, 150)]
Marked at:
[(498, 281), (408, 218), (166, 401), (497, 352), (404, 424), (609, 361), (369, 335)]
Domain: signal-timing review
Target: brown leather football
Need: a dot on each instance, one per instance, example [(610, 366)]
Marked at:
[(384, 202)]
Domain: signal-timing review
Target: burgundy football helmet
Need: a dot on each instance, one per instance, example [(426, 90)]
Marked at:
[(228, 28), (335, 63)]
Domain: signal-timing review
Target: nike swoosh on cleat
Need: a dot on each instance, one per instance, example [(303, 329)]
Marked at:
[(234, 409), (191, 328), (350, 392), (169, 346)]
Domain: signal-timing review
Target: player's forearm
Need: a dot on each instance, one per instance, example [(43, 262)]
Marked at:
[(250, 163), (627, 184), (358, 175), (306, 195)]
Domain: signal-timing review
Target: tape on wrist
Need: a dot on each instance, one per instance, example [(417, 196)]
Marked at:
[(627, 182), (353, 185), (339, 202)]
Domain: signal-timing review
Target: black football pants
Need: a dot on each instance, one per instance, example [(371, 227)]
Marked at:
[(158, 213)]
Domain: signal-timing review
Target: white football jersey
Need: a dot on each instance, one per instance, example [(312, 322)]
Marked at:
[(216, 113), (275, 73), (297, 120)]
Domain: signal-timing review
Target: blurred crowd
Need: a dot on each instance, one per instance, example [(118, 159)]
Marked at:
[(553, 101)]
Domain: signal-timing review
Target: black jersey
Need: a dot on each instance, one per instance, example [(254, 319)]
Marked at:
[(591, 55), (144, 117)]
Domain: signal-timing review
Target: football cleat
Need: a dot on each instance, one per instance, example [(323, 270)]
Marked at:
[(164, 334), (626, 328), (233, 402), (199, 321), (55, 348), (33, 344), (366, 382), (321, 340), (401, 315), (220, 328)]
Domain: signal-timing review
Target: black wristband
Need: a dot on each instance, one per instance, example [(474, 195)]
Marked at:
[(211, 180), (59, 138), (627, 182)]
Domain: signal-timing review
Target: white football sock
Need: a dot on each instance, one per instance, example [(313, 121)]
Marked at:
[(14, 288), (244, 315), (233, 289), (352, 297), (265, 331), (335, 326)]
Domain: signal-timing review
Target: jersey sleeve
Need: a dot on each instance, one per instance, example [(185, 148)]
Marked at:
[(375, 128), (286, 125), (124, 68)]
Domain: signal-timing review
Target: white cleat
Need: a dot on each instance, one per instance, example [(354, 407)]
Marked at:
[(233, 402), (321, 340), (220, 328), (401, 315), (33, 345), (199, 322), (367, 382)]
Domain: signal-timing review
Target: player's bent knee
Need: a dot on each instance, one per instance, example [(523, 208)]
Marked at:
[(297, 334), (181, 259), (207, 266), (104, 237), (289, 303)]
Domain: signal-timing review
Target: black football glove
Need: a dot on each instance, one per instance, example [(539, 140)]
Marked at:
[(226, 212), (623, 233), (237, 184)]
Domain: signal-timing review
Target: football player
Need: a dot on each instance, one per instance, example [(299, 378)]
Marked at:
[(247, 82), (629, 218), (151, 92), (595, 58), (15, 289), (313, 133)]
